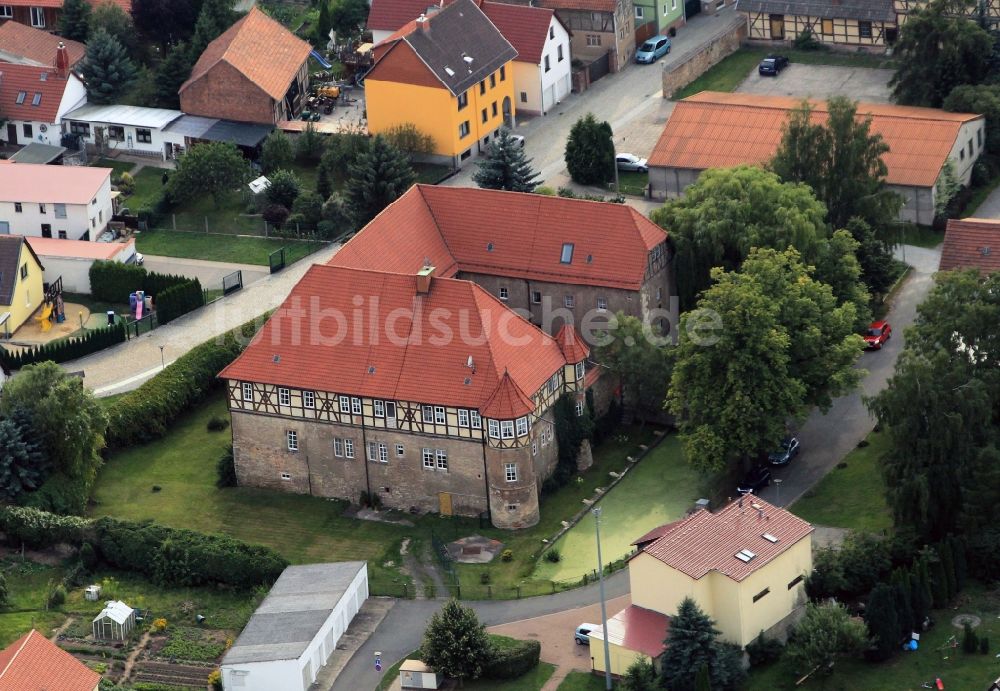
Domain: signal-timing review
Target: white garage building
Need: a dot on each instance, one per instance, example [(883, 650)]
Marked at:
[(294, 631), (126, 129), (71, 259)]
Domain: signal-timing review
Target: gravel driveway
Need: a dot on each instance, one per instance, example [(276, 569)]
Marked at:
[(822, 81)]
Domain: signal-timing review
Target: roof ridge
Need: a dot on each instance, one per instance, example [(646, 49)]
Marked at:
[(24, 642), (437, 224)]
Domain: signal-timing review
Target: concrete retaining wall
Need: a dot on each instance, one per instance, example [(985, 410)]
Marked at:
[(723, 44)]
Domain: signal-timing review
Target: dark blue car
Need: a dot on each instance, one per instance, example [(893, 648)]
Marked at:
[(772, 65)]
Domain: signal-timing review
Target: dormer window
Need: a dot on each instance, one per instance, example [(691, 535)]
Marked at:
[(566, 257)]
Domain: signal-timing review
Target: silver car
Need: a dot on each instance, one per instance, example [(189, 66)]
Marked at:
[(631, 163)]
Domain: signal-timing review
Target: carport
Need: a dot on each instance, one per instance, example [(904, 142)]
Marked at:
[(245, 135)]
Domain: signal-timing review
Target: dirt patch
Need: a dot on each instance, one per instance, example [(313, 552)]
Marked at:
[(474, 549), (54, 556)]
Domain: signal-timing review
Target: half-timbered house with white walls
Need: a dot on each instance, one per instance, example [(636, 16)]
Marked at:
[(849, 23)]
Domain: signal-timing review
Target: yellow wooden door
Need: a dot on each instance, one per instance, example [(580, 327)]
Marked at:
[(444, 501)]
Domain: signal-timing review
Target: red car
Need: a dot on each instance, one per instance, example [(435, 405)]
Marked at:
[(878, 333)]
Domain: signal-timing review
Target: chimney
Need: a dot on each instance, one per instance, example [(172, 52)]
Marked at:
[(424, 280), (62, 60), (422, 24)]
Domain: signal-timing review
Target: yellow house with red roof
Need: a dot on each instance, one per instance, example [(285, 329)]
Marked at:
[(450, 75)]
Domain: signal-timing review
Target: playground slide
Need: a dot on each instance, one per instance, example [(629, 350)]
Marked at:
[(138, 309), (320, 59), (44, 320)]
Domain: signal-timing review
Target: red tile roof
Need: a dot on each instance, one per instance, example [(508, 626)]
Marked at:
[(637, 628), (706, 541), (263, 50), (402, 345), (28, 79), (525, 27), (34, 44), (572, 346), (972, 243), (391, 15), (34, 663), (34, 182), (507, 402), (511, 234), (656, 533), (721, 130), (585, 5), (126, 5)]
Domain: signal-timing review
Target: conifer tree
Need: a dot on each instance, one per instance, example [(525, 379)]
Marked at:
[(107, 69), (506, 167), (74, 21), (379, 177), (172, 72)]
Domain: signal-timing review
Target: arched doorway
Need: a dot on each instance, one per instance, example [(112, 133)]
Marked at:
[(508, 116)]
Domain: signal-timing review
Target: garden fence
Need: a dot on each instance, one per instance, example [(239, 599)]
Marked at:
[(251, 225)]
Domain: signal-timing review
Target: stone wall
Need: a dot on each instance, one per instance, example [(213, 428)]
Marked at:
[(714, 50)]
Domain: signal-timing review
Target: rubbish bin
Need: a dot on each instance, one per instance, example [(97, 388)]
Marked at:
[(111, 317)]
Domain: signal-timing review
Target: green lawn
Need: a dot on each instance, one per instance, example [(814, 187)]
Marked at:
[(148, 188), (908, 671), (582, 681), (660, 489), (732, 70), (921, 236), (220, 248), (532, 681), (852, 497), (118, 167), (430, 173), (633, 183)]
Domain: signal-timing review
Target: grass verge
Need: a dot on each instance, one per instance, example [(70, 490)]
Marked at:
[(220, 248), (851, 497), (117, 167), (920, 236), (581, 681), (979, 196)]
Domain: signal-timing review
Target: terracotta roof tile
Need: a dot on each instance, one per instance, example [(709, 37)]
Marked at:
[(417, 352), (656, 533), (34, 663), (637, 628), (30, 80), (572, 346), (585, 5), (525, 27), (36, 45), (720, 130), (972, 243), (35, 182), (706, 541), (511, 234), (507, 402), (391, 15), (267, 53)]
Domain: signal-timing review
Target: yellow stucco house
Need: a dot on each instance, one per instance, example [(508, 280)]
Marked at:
[(744, 565), (21, 291), (450, 75)]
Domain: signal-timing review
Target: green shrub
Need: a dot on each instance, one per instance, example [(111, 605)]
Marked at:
[(553, 556), (114, 281), (126, 184), (507, 555), (88, 557), (763, 651), (40, 529), (65, 349), (484, 577), (217, 423), (511, 658), (57, 596), (178, 300), (148, 412), (226, 469)]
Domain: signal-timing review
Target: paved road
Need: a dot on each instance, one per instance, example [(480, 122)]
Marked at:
[(990, 208), (210, 274), (402, 629), (827, 438), (126, 366)]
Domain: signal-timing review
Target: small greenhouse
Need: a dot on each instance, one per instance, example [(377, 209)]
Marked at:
[(115, 621)]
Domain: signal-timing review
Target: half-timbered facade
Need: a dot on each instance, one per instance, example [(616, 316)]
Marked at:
[(988, 10), (853, 23), (598, 28), (425, 392)]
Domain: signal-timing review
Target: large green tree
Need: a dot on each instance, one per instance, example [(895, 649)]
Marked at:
[(215, 168), (825, 634), (378, 177), (727, 212), (22, 464), (321, 34), (114, 20), (590, 151), (74, 20), (841, 160), (634, 351), (171, 73), (882, 618), (214, 17), (347, 17), (107, 69), (779, 343), (940, 409), (165, 22), (455, 642), (276, 153), (939, 49), (693, 644), (981, 98), (506, 167)]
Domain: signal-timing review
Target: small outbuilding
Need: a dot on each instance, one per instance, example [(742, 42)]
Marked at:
[(296, 628), (115, 621)]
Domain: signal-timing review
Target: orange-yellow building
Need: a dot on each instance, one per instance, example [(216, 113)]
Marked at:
[(450, 75)]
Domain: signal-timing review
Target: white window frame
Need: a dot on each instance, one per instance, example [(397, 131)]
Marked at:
[(378, 406), (345, 404), (602, 304), (292, 440), (338, 447), (286, 476), (348, 448), (638, 11), (247, 391), (440, 417), (427, 413), (522, 426), (569, 301), (355, 405), (545, 439), (6, 12), (441, 459), (284, 396), (506, 429), (309, 399), (536, 297), (463, 417), (510, 472), (504, 292), (428, 458), (581, 370), (579, 408), (475, 419), (383, 453), (494, 426), (534, 448), (38, 17)]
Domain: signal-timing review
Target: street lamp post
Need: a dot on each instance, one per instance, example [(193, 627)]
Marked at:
[(604, 611), (777, 487), (161, 357)]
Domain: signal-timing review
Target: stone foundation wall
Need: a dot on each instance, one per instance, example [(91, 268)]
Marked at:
[(694, 66)]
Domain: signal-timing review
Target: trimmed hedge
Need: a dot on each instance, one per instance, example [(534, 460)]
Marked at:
[(178, 300), (65, 349), (511, 659), (40, 529), (183, 557), (114, 281), (148, 412), (174, 295)]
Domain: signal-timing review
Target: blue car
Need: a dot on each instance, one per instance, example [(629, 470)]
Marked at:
[(652, 50)]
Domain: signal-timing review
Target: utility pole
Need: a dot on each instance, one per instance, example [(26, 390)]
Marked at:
[(600, 571)]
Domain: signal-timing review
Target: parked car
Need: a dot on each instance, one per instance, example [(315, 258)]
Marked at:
[(139, 259), (756, 480), (652, 50), (518, 140), (789, 450), (877, 334), (631, 163), (772, 65), (582, 635)]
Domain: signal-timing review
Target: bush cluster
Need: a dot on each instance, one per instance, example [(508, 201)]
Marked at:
[(511, 660), (174, 295), (178, 300), (40, 529), (65, 349)]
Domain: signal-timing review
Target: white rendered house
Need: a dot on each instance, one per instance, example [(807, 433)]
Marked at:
[(65, 202), (127, 129), (34, 99)]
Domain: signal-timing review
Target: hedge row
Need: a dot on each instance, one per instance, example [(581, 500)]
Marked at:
[(513, 659), (178, 300), (183, 557), (170, 555), (149, 411), (65, 349)]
